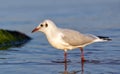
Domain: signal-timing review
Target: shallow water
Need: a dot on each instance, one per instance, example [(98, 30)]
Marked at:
[(37, 57)]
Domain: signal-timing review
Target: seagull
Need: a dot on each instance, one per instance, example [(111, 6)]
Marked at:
[(67, 39)]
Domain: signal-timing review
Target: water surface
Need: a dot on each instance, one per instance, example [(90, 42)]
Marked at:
[(36, 57)]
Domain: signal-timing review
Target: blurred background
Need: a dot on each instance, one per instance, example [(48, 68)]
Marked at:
[(99, 17), (83, 13)]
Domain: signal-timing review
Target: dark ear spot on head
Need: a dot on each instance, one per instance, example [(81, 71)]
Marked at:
[(46, 25), (41, 25)]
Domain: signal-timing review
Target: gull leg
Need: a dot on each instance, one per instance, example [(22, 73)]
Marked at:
[(65, 60), (65, 56), (82, 55), (82, 67)]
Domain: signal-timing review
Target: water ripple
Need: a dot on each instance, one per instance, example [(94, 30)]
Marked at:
[(106, 61), (28, 63)]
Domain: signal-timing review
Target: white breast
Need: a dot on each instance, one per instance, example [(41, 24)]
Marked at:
[(57, 42)]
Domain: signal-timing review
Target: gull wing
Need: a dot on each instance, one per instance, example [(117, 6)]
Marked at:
[(76, 38)]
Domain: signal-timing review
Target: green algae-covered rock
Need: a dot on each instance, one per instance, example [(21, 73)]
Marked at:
[(12, 39)]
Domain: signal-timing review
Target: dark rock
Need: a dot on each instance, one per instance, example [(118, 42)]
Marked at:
[(12, 39)]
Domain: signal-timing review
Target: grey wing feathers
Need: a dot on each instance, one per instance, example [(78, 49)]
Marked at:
[(75, 38)]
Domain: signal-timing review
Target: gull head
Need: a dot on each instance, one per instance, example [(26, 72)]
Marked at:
[(45, 26)]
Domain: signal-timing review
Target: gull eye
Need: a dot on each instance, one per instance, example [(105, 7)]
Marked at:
[(46, 25), (41, 25)]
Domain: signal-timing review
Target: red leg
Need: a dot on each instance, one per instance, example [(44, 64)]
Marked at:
[(65, 60), (82, 67), (82, 54), (65, 56), (82, 60)]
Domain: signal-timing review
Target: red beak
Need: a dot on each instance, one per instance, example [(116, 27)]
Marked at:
[(35, 30)]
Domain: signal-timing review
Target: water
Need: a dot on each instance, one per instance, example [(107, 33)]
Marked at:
[(36, 57)]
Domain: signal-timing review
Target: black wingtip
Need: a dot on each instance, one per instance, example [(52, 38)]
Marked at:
[(105, 38)]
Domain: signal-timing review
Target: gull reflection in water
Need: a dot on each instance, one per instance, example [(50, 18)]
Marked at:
[(81, 71)]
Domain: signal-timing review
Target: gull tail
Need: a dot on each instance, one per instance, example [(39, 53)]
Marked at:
[(99, 38), (102, 38)]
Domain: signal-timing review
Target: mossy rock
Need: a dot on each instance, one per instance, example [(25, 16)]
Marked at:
[(12, 39)]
